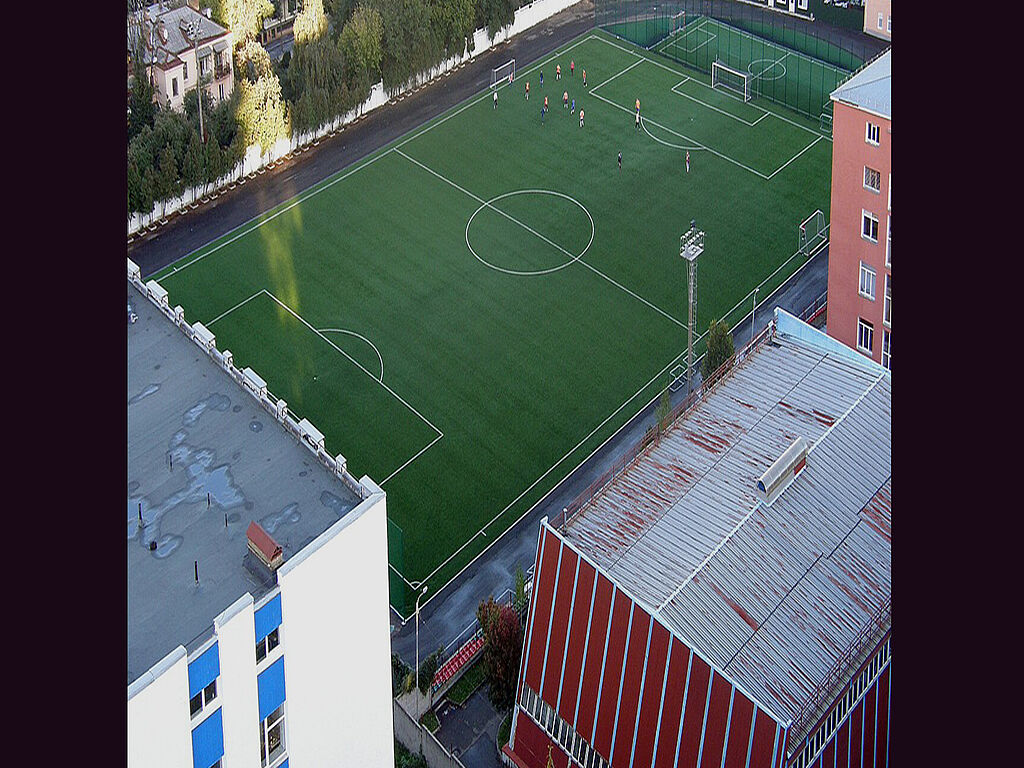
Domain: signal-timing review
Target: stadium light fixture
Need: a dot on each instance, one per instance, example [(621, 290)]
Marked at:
[(691, 245), (425, 588)]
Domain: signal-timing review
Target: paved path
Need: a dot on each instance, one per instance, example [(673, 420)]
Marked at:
[(470, 731)]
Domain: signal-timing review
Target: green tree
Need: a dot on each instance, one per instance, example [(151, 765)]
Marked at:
[(664, 409), (720, 347), (192, 168), (408, 45), (167, 180), (316, 83), (140, 101), (519, 598), (243, 17), (261, 113), (503, 647), (311, 23), (361, 44), (428, 668), (497, 14)]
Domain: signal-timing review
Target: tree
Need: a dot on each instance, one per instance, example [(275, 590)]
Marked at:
[(167, 176), (519, 598), (140, 100), (503, 647), (243, 17), (361, 44), (428, 668), (664, 410), (311, 23), (192, 167), (720, 347), (262, 117)]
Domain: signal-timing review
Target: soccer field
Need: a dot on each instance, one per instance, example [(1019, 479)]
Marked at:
[(468, 313)]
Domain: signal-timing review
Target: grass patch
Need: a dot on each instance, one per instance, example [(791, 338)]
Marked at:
[(406, 759), (468, 683), (504, 731), (430, 721)]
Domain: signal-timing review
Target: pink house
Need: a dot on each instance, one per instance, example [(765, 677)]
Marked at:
[(860, 250), (182, 46)]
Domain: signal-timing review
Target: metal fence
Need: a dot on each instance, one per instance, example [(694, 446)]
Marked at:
[(790, 60)]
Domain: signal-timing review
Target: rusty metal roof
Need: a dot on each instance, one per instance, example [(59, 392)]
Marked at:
[(772, 596)]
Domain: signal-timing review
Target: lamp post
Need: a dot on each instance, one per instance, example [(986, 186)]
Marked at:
[(691, 245), (425, 587), (193, 31), (752, 313)]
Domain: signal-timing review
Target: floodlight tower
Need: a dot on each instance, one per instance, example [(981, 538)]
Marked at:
[(691, 245)]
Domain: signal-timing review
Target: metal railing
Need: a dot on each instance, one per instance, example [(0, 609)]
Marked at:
[(815, 308), (653, 435), (810, 713)]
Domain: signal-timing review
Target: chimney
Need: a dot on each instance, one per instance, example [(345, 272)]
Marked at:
[(782, 472)]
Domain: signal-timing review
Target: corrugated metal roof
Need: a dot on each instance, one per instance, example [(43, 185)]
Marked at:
[(771, 595), (871, 87)]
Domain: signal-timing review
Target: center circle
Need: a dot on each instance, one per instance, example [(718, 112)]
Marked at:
[(763, 74), (529, 272)]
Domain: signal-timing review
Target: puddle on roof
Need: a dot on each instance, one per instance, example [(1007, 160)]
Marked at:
[(215, 402), (288, 515), (256, 426), (334, 503), (236, 408), (149, 390)]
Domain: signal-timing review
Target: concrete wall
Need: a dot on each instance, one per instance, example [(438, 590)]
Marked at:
[(872, 24), (526, 17), (159, 731), (337, 659), (415, 737), (848, 248)]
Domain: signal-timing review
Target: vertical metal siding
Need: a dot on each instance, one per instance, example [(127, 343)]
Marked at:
[(632, 682), (567, 572), (763, 746), (544, 587), (608, 698), (595, 656), (575, 649), (870, 710), (653, 697), (713, 742), (740, 731), (671, 714), (533, 616), (551, 616), (693, 720)]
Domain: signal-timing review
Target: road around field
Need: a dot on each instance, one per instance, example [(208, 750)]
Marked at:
[(194, 229)]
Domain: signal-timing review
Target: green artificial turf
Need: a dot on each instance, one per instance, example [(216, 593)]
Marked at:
[(492, 385)]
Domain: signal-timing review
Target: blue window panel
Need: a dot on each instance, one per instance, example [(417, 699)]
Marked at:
[(270, 687), (203, 670), (268, 618), (208, 741), (284, 764)]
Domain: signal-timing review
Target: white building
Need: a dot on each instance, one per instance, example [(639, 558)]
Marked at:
[(231, 661)]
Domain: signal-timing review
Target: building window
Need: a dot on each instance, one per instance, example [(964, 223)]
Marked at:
[(204, 66), (867, 281), (222, 91), (872, 179), (267, 644), (272, 744), (879, 20), (865, 335), (202, 699), (888, 240), (174, 85), (887, 306), (872, 134), (888, 24), (802, 5), (185, 67), (869, 226)]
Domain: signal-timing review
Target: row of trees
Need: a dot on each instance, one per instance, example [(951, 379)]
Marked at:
[(342, 48)]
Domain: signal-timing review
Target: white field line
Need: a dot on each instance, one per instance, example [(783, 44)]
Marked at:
[(355, 362), (382, 482), (761, 73), (687, 138), (764, 112), (675, 39), (546, 473), (359, 336), (794, 157), (261, 218), (677, 72), (553, 244), (225, 314), (769, 43), (638, 61), (665, 143)]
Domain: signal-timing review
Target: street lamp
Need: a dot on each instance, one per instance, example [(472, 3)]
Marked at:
[(425, 587), (691, 245), (752, 312), (193, 31)]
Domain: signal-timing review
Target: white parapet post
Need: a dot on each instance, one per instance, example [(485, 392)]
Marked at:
[(204, 337), (157, 292)]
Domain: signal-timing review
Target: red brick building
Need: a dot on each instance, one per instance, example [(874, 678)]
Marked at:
[(860, 260), (686, 613)]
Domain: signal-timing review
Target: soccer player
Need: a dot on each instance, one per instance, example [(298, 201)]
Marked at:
[(558, 72), (573, 110), (572, 68), (565, 99), (542, 111), (527, 90), (542, 79), (638, 106), (510, 74), (584, 77), (545, 103), (620, 161), (581, 118), (687, 161), (495, 99), (638, 119)]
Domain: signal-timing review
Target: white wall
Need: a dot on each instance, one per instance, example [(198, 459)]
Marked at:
[(159, 730), (526, 17), (337, 649), (236, 636)]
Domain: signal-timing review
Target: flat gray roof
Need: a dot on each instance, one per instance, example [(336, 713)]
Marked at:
[(870, 88), (193, 431), (771, 595)]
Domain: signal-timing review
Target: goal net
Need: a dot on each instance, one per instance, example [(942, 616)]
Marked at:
[(731, 80), (678, 22), (813, 232), (504, 74)]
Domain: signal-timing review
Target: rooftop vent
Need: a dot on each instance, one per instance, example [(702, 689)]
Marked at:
[(266, 550), (782, 472)]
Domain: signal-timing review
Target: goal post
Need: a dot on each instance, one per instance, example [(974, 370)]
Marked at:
[(813, 232), (504, 74), (678, 23), (730, 79)]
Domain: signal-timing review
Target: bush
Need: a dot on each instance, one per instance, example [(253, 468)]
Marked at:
[(406, 759), (428, 668)]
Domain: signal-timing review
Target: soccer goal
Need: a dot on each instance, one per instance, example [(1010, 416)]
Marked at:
[(731, 80), (678, 22), (813, 232), (825, 123), (506, 73)]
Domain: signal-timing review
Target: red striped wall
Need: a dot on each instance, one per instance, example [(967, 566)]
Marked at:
[(595, 651), (577, 641), (629, 703), (559, 624), (651, 696), (608, 697), (673, 705), (543, 593)]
